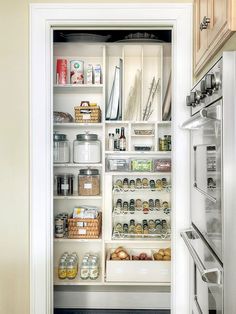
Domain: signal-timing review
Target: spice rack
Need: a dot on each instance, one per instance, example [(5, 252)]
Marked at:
[(146, 59)]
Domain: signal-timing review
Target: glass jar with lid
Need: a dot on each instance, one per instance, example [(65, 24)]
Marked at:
[(87, 148), (64, 184), (89, 182), (61, 148)]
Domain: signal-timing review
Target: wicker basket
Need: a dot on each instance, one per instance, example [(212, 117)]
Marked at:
[(84, 228), (87, 114)]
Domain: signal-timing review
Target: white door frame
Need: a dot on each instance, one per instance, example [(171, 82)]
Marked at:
[(42, 18)]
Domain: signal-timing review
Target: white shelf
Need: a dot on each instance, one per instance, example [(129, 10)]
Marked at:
[(140, 173), (142, 135), (74, 165), (80, 88), (139, 241), (66, 240), (76, 197), (77, 125), (135, 152)]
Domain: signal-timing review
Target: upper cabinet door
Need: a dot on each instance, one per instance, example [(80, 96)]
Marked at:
[(214, 22), (217, 12), (200, 9)]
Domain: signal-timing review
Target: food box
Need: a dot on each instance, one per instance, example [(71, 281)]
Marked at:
[(142, 165), (138, 270), (117, 164), (162, 165)]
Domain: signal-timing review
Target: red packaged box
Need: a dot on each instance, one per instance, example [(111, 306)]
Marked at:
[(61, 71)]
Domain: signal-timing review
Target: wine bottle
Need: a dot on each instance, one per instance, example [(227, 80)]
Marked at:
[(122, 140)]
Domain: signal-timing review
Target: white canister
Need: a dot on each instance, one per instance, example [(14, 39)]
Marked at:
[(87, 148)]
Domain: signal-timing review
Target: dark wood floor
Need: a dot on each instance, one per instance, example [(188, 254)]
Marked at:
[(110, 311)]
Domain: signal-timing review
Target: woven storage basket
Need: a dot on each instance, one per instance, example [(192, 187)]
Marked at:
[(87, 114), (84, 228)]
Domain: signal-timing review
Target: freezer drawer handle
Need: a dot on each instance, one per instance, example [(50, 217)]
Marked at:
[(212, 275)]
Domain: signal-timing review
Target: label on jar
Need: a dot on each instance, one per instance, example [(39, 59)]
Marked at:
[(88, 186), (82, 231), (65, 186)]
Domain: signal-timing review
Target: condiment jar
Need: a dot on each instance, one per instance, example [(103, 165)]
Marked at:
[(87, 148), (61, 148), (64, 184), (88, 182)]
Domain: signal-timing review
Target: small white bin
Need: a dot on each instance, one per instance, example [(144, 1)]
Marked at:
[(138, 270)]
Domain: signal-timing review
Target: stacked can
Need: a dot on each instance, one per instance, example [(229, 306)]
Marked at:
[(61, 225)]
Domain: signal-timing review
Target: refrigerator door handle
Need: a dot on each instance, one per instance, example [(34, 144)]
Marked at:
[(212, 275)]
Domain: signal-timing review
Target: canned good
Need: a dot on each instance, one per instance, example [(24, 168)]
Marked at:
[(76, 72), (61, 77), (59, 228)]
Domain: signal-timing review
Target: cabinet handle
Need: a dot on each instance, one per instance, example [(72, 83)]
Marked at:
[(205, 22)]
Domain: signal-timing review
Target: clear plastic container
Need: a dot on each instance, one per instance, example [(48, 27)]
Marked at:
[(61, 148), (87, 148), (89, 182)]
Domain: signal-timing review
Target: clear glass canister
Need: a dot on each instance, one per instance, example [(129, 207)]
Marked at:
[(87, 148), (89, 182), (64, 184), (61, 148)]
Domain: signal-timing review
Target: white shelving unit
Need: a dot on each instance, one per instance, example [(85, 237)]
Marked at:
[(146, 61)]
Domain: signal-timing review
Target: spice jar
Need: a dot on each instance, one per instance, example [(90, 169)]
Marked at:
[(64, 184), (88, 182), (61, 148), (87, 148)]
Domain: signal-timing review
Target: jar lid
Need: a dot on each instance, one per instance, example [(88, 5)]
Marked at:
[(59, 137), (89, 171), (64, 175), (86, 137)]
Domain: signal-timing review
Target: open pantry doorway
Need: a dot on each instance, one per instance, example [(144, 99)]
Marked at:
[(43, 18)]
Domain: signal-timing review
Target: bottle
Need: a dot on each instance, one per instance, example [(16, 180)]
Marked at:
[(122, 140), (111, 142), (84, 270), (94, 270), (117, 140), (62, 269)]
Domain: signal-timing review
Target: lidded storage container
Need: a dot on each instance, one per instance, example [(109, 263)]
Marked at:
[(61, 148), (89, 182), (64, 184), (87, 148)]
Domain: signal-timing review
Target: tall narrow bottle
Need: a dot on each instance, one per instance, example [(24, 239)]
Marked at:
[(117, 140), (122, 140)]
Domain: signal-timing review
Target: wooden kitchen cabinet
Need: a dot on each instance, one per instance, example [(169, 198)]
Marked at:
[(214, 22)]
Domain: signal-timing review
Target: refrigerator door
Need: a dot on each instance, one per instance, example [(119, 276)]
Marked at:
[(206, 159), (207, 296)]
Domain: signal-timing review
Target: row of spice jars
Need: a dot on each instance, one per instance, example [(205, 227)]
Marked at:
[(68, 266), (158, 226), (86, 148), (88, 183), (139, 205), (139, 183)]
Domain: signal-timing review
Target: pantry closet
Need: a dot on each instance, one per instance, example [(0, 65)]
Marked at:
[(112, 188)]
